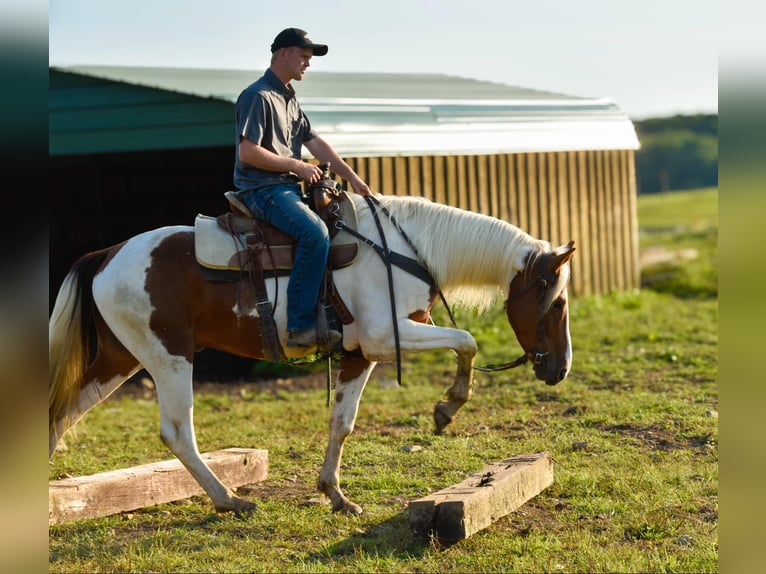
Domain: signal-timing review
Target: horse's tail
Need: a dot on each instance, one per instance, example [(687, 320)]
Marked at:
[(70, 329)]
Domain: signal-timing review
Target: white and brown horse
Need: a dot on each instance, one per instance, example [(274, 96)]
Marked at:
[(149, 306)]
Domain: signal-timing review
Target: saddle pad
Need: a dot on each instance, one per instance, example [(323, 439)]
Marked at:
[(215, 248)]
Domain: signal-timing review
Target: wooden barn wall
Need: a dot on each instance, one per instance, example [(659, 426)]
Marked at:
[(99, 200), (587, 196)]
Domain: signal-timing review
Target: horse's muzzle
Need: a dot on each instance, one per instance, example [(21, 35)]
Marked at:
[(551, 379), (560, 377)]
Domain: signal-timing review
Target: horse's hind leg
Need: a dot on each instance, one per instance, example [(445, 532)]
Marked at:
[(352, 378), (174, 391)]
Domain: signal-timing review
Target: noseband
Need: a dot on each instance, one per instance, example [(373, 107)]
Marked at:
[(542, 282)]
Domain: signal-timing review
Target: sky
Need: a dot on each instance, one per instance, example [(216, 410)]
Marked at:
[(653, 58)]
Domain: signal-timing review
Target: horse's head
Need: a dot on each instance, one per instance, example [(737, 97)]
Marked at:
[(538, 313)]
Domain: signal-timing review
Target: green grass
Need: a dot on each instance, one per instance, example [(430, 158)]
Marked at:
[(633, 433), (682, 223)]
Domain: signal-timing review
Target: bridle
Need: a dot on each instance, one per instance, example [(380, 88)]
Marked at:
[(542, 282)]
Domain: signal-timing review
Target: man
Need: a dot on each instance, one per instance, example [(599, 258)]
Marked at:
[(271, 129)]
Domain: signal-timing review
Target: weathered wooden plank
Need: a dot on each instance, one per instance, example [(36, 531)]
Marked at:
[(452, 180), (630, 245), (480, 179), (494, 193), (433, 187), (533, 196), (522, 195), (545, 206), (116, 491), (387, 175), (594, 239), (618, 229), (573, 216), (563, 198), (373, 175), (614, 252), (503, 188), (362, 169), (604, 240), (460, 511), (414, 178), (633, 207), (462, 183), (584, 257)]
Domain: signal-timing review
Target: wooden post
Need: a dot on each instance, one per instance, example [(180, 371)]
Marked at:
[(460, 511), (128, 489)]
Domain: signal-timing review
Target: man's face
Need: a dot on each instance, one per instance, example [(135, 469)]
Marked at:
[(296, 61)]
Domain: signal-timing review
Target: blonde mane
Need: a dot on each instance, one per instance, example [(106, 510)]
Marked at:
[(472, 257)]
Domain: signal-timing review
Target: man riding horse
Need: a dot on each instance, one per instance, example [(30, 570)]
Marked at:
[(268, 169)]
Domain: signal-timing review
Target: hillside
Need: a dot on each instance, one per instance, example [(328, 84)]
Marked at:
[(678, 152)]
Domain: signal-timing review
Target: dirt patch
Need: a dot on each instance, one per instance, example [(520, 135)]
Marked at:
[(658, 255), (657, 438), (292, 490)]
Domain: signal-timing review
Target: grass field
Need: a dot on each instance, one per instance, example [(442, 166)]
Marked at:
[(633, 433)]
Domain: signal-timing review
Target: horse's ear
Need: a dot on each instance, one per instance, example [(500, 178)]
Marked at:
[(563, 256)]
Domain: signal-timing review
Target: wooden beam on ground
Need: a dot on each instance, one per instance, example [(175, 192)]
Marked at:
[(460, 511), (128, 489)]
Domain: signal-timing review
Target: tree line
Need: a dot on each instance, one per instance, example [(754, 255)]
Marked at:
[(677, 152)]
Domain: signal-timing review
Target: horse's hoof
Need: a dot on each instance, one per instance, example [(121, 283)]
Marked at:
[(441, 421), (352, 509), (238, 506), (349, 508)]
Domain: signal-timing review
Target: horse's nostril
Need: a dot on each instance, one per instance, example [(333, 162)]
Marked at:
[(562, 375)]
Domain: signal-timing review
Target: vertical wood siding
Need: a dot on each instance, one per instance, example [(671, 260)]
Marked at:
[(587, 196)]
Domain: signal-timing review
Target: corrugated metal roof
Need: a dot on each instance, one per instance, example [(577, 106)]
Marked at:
[(360, 114)]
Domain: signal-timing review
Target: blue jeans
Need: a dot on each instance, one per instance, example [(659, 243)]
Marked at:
[(282, 206)]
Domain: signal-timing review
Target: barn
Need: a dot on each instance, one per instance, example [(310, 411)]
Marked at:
[(133, 148)]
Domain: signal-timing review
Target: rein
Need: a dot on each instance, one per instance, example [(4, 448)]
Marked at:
[(386, 256)]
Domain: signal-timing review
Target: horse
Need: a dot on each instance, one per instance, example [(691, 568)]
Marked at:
[(144, 303)]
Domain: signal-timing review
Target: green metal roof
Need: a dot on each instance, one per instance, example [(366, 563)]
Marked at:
[(105, 109)]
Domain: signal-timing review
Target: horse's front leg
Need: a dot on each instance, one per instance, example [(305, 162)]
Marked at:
[(458, 394), (352, 378), (419, 336)]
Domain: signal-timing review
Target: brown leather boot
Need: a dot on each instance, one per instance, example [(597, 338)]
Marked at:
[(308, 338)]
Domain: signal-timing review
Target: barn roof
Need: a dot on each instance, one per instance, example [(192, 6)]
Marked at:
[(96, 109)]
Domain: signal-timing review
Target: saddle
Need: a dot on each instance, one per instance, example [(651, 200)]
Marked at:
[(240, 246)]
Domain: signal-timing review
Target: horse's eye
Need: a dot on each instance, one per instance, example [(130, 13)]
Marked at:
[(558, 304)]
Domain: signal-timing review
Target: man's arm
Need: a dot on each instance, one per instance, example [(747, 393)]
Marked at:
[(324, 152), (262, 158)]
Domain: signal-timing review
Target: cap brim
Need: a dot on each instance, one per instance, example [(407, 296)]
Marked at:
[(319, 49)]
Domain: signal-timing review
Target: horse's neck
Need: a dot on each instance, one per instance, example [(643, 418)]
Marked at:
[(461, 248)]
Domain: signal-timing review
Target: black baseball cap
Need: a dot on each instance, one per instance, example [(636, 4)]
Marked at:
[(296, 37)]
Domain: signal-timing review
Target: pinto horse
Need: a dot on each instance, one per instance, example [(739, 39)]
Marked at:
[(147, 305)]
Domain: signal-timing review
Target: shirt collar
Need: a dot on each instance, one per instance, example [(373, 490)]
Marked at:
[(272, 78)]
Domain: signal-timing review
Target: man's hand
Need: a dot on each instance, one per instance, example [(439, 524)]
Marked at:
[(324, 152), (360, 186), (308, 172)]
